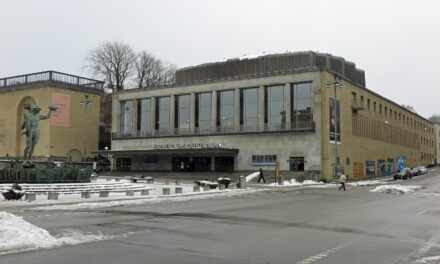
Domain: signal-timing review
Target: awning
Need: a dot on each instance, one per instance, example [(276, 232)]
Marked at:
[(177, 151)]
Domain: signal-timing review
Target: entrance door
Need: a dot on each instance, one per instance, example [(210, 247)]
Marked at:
[(224, 163), (296, 163), (123, 164), (181, 164), (358, 170)]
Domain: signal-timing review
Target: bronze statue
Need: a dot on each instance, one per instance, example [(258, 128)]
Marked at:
[(31, 122)]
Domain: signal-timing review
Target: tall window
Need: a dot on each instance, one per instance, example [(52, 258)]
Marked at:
[(250, 107), (301, 102), (163, 113), (182, 106), (144, 116), (275, 105), (203, 113), (126, 118), (226, 113)]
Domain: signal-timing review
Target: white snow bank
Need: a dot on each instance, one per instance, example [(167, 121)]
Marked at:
[(395, 188), (365, 183), (293, 182), (433, 259), (252, 176), (18, 235)]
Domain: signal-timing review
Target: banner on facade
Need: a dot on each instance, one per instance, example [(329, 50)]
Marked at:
[(335, 124), (61, 117)]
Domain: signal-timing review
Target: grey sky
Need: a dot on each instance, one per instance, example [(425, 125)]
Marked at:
[(397, 43)]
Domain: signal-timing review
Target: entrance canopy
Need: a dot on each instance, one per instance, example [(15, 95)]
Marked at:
[(183, 151)]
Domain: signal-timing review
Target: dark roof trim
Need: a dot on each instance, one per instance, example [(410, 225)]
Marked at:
[(177, 151)]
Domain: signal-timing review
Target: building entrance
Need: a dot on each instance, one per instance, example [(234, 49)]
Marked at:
[(224, 163), (181, 164), (296, 163)]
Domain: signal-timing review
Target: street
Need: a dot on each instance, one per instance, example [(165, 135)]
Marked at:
[(286, 225)]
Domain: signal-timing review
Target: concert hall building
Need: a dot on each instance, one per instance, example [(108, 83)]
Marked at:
[(243, 114)]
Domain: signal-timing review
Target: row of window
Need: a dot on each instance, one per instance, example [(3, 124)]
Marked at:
[(274, 113), (426, 156), (394, 114)]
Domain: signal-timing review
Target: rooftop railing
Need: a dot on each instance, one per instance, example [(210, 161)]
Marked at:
[(51, 76), (294, 127)]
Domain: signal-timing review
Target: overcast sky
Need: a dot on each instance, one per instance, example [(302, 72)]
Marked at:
[(397, 43)]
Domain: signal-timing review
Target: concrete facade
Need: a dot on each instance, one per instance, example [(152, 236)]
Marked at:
[(374, 130)]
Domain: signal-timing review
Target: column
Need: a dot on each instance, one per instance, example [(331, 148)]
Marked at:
[(192, 112), (172, 113), (261, 107), (287, 104), (237, 110), (116, 115), (214, 110), (153, 115), (135, 117)]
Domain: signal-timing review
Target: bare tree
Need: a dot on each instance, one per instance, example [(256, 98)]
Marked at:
[(151, 71), (435, 118), (112, 61)]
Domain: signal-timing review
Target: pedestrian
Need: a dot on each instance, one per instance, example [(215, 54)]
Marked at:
[(261, 176), (342, 180)]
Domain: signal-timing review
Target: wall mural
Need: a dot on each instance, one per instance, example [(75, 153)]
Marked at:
[(62, 116)]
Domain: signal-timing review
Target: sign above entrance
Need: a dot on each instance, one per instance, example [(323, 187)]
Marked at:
[(187, 146)]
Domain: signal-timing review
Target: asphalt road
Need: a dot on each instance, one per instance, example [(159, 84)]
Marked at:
[(290, 225)]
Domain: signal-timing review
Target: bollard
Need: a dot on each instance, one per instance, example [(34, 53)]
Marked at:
[(108, 179), (206, 188), (242, 182), (221, 187), (149, 180), (166, 191), (145, 192), (196, 188), (129, 193), (85, 195), (103, 194), (117, 179), (52, 196), (178, 190), (177, 182), (30, 197), (281, 181)]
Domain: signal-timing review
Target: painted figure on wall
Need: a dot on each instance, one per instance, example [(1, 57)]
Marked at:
[(31, 124)]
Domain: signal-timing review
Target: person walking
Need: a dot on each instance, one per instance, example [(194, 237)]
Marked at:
[(261, 176), (342, 180)]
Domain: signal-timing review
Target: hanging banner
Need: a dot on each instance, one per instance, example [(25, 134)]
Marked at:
[(61, 117), (335, 124)]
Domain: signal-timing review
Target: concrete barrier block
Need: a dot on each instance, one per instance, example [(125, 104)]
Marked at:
[(178, 182), (85, 195), (196, 188), (103, 193), (145, 192), (206, 188), (30, 197), (166, 191), (281, 181), (129, 193), (150, 180), (167, 182), (52, 196), (108, 179), (221, 187), (178, 190), (242, 182), (117, 179)]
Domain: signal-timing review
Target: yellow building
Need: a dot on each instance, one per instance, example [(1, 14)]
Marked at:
[(63, 135)]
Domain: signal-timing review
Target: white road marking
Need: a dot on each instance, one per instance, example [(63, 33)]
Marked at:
[(326, 253), (174, 227)]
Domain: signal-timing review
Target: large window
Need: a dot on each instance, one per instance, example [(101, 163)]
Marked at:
[(250, 107), (144, 116), (275, 105), (301, 103), (226, 113), (126, 118), (264, 159), (182, 106), (203, 111), (163, 113)]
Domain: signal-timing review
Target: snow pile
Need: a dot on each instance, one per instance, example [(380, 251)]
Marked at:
[(365, 183), (433, 259), (396, 189), (252, 176), (18, 235), (293, 182)]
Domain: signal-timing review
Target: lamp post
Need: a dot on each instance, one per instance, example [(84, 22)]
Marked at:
[(336, 84), (86, 102)]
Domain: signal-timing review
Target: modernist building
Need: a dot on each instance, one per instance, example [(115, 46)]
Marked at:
[(66, 133), (246, 114)]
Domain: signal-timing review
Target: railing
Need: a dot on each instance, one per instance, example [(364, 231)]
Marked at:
[(51, 76), (295, 127)]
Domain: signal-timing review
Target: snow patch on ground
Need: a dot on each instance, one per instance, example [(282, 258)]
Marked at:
[(252, 176), (396, 189), (365, 183), (433, 259), (293, 182), (17, 235)]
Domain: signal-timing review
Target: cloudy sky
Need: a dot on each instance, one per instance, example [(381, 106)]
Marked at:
[(397, 43)]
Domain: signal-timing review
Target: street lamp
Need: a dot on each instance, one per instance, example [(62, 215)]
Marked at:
[(86, 102), (336, 84)]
